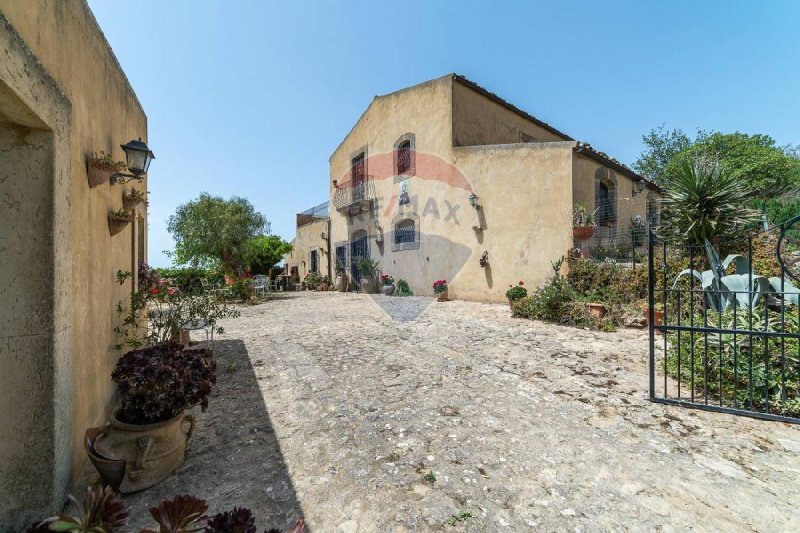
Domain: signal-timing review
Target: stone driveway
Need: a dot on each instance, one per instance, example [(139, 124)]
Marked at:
[(465, 419)]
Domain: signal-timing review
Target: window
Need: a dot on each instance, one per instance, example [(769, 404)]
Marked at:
[(341, 257), (404, 157), (314, 261), (358, 169), (405, 232), (605, 199)]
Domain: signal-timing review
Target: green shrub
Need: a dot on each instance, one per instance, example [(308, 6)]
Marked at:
[(239, 291), (403, 289), (188, 279), (556, 301), (517, 292)]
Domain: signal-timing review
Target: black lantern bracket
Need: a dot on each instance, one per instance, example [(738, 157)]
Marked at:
[(138, 157)]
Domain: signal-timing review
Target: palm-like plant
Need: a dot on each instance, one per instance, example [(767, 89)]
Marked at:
[(704, 200)]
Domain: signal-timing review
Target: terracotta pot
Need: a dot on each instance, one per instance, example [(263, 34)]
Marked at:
[(442, 296), (658, 320), (388, 290), (596, 310), (132, 457), (99, 173), (370, 285), (129, 204), (583, 233), (117, 224)]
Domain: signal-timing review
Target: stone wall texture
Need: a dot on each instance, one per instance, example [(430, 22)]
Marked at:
[(63, 96)]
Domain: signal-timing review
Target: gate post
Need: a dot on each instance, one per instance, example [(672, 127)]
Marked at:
[(651, 278)]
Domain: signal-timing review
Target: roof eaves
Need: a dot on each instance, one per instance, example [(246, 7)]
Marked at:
[(602, 157)]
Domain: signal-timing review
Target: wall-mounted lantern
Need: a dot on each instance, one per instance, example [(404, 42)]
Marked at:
[(638, 186), (484, 261), (138, 157), (473, 201), (323, 236)]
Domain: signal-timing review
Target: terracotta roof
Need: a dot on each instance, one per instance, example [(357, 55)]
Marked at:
[(602, 157)]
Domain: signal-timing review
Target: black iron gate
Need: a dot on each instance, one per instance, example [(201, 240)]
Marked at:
[(725, 329), (359, 247)]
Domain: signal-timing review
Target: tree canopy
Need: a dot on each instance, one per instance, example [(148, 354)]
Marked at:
[(263, 252), (211, 229), (771, 169)]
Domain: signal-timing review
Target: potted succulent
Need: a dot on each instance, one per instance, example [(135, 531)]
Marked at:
[(387, 284), (515, 293), (370, 272), (100, 167), (145, 438), (133, 198), (102, 511), (117, 220), (582, 223), (440, 290)]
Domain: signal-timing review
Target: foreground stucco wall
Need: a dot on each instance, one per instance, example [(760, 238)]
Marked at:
[(308, 238), (75, 57)]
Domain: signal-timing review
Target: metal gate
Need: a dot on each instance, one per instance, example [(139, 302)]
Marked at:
[(359, 247), (725, 329)]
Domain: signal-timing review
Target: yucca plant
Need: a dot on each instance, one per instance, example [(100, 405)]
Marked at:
[(705, 200)]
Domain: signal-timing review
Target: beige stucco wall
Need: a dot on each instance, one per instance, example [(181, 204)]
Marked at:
[(58, 46), (478, 120), (628, 203), (308, 238)]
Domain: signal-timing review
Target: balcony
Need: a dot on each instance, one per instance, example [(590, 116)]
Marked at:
[(355, 197)]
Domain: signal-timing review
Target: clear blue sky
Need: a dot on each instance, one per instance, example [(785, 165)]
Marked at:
[(250, 97)]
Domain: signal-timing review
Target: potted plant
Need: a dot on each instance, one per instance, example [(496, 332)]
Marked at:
[(597, 310), (341, 282), (145, 438), (100, 167), (515, 293), (370, 272), (387, 284), (657, 314), (440, 290), (325, 283), (133, 198), (582, 223), (117, 220)]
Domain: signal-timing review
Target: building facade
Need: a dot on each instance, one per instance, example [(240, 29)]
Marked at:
[(445, 180), (63, 97), (311, 246)]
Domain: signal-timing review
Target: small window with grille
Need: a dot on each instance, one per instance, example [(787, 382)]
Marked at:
[(405, 232), (404, 157)]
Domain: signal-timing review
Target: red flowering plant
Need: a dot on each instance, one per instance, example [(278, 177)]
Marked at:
[(439, 286), (517, 292), (387, 280), (157, 312)]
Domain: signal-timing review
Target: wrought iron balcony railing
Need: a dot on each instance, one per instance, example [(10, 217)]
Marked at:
[(352, 193)]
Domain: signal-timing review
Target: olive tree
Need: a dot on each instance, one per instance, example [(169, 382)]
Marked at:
[(213, 229)]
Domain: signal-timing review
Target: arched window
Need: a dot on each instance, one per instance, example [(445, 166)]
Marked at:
[(404, 156), (605, 199), (405, 232)]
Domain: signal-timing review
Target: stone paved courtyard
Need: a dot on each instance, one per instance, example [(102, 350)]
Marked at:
[(329, 408)]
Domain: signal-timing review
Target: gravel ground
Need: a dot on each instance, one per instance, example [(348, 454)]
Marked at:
[(372, 413)]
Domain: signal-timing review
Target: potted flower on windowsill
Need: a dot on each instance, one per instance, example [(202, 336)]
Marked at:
[(117, 220), (440, 290), (100, 167), (515, 293), (387, 283), (582, 223)]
